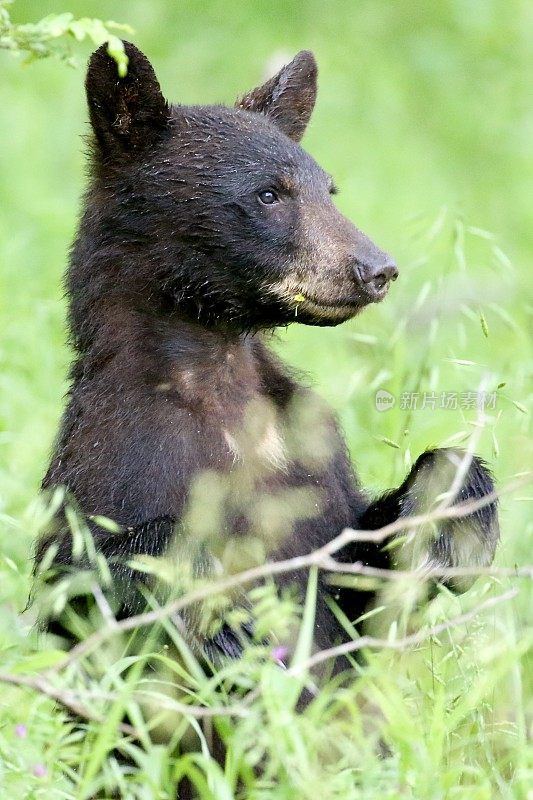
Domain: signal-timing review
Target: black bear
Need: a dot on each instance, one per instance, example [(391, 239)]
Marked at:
[(204, 228)]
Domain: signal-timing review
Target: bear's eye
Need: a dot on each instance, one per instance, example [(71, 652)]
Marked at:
[(268, 197)]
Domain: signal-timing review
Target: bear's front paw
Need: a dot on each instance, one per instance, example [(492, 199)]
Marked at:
[(441, 478)]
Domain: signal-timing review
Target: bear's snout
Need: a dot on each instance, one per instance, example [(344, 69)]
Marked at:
[(374, 278)]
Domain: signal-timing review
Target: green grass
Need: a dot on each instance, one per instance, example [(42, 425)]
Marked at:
[(424, 118)]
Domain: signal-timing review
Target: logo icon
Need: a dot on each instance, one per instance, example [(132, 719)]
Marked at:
[(384, 400)]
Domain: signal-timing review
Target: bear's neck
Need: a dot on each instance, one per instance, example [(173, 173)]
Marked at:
[(209, 369), (202, 364), (174, 357)]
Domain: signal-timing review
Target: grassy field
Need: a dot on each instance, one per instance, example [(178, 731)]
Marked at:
[(425, 119)]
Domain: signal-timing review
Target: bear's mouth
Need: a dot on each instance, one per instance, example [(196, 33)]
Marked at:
[(325, 308), (344, 308), (306, 304)]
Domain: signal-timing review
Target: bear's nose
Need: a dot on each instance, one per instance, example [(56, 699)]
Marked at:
[(376, 276)]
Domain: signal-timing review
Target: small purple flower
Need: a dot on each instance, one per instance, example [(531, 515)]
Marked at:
[(280, 653), (40, 771), (21, 731)]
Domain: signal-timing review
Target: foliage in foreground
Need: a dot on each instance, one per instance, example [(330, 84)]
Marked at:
[(437, 709), (53, 35)]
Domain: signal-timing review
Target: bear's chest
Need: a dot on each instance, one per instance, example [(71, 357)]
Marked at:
[(266, 471)]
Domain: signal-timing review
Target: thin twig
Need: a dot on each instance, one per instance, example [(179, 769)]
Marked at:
[(400, 644), (67, 698), (466, 459), (315, 558), (358, 568)]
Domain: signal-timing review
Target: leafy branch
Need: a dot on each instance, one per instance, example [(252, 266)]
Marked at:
[(53, 36)]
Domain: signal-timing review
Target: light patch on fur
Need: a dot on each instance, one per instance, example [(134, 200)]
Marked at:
[(468, 549), (218, 567), (465, 547), (232, 445), (271, 448), (187, 378), (183, 380)]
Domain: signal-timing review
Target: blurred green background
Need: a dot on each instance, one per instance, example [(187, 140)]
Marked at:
[(424, 118)]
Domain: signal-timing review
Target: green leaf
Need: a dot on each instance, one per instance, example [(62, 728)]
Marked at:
[(388, 442), (304, 645), (115, 48), (369, 614), (56, 25), (39, 662), (10, 563), (106, 523)]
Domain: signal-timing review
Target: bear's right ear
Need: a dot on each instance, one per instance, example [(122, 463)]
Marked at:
[(289, 97), (126, 113)]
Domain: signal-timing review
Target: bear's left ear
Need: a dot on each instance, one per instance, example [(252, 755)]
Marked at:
[(289, 97), (126, 113)]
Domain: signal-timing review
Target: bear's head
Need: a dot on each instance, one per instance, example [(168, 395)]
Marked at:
[(230, 221)]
